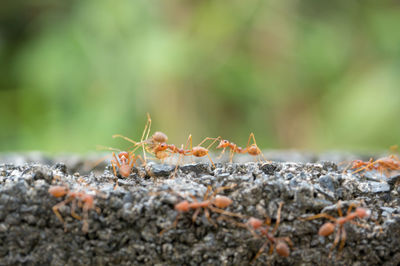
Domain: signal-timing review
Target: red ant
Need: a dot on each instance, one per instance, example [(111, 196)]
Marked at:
[(199, 151), (157, 139), (84, 200), (279, 243), (328, 228), (359, 163), (384, 164), (252, 149), (211, 201), (124, 162)]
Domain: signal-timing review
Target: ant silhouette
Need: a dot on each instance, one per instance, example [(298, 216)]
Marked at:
[(211, 202), (382, 165), (199, 151), (252, 149), (279, 243), (124, 162), (156, 142), (83, 199), (329, 227)]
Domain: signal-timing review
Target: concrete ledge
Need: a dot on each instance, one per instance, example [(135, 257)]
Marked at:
[(126, 231)]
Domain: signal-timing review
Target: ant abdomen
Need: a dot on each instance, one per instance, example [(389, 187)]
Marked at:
[(282, 249), (326, 229), (158, 136), (222, 201), (58, 191), (125, 170)]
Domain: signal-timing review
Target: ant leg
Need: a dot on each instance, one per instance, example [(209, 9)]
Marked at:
[(131, 159), (146, 127), (254, 140), (197, 210), (194, 217), (59, 205), (180, 158), (336, 241), (351, 206), (207, 214), (208, 191), (343, 239), (113, 162), (116, 160), (339, 209), (263, 157), (73, 213), (113, 166), (139, 157), (259, 252), (209, 157), (85, 226), (125, 138), (231, 154), (204, 140), (251, 136), (222, 189), (191, 146), (271, 248), (321, 215), (278, 218), (220, 211), (234, 222), (101, 147), (346, 168), (366, 167), (190, 141), (174, 224), (176, 166), (55, 210), (223, 151), (212, 143)]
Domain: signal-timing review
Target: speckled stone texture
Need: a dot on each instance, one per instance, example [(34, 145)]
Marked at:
[(126, 231)]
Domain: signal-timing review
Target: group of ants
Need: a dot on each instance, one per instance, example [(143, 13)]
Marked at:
[(212, 202)]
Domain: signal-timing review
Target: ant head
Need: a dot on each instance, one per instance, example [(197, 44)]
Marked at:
[(362, 212), (123, 155), (182, 206), (163, 146), (159, 137), (223, 144), (254, 222), (282, 249), (357, 163), (326, 229)]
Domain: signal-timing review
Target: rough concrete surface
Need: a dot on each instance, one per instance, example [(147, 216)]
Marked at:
[(126, 230)]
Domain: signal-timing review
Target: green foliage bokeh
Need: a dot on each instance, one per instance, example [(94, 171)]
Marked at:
[(299, 74)]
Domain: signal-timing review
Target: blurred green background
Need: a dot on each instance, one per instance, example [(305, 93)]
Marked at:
[(305, 74)]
